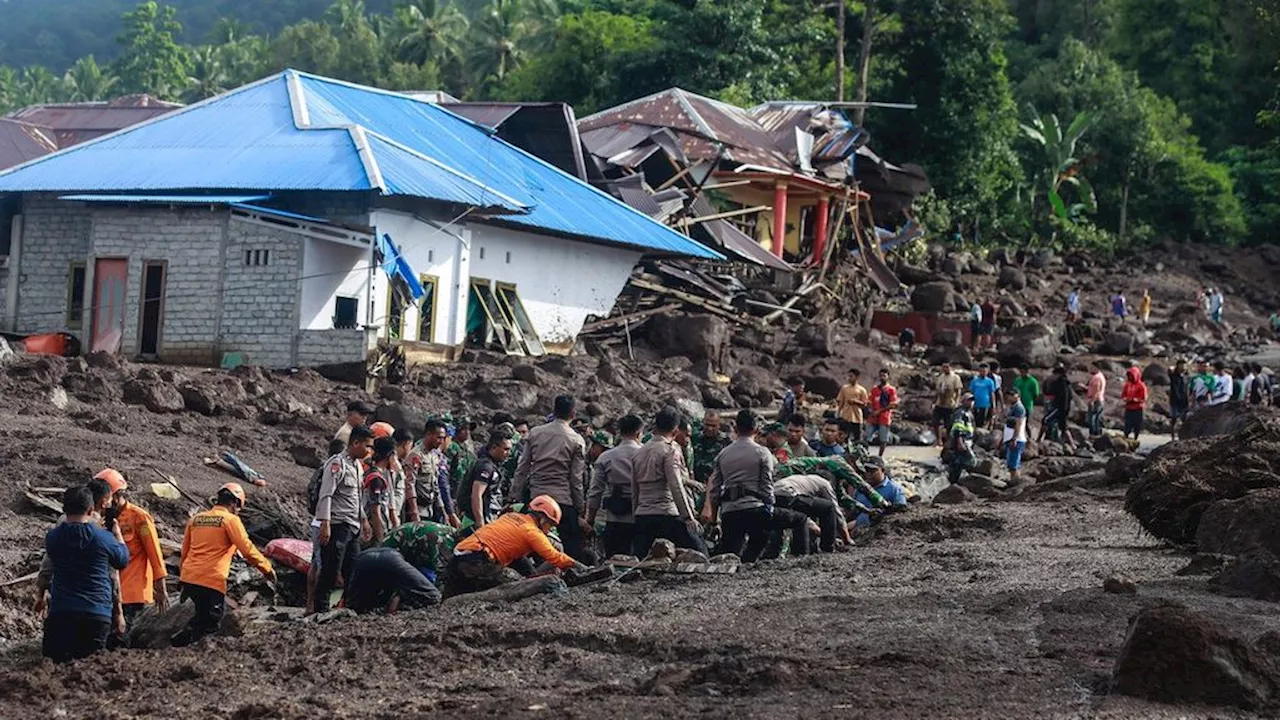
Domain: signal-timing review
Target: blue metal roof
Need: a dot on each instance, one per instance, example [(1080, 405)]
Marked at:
[(169, 199), (294, 131)]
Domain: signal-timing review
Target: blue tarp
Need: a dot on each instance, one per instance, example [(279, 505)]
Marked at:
[(397, 268)]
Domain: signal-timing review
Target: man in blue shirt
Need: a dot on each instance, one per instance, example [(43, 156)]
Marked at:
[(983, 388), (830, 443), (81, 595), (888, 489)]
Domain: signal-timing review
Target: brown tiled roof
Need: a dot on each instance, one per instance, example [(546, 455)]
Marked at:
[(73, 123)]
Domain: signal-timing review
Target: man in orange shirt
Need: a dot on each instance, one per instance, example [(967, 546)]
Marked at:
[(142, 581), (480, 561), (211, 539), (850, 402)]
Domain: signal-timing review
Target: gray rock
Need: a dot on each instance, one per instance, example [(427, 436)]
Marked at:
[(697, 337), (954, 495), (933, 297), (156, 396), (199, 399), (1120, 585), (1035, 344), (1011, 278)]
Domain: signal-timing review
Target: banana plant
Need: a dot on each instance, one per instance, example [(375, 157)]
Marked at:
[(1061, 166)]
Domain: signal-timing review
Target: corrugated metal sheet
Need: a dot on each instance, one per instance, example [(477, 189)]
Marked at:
[(490, 115), (734, 241), (74, 123), (168, 199), (20, 142), (558, 202)]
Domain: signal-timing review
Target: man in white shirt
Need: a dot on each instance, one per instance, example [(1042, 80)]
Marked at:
[(1223, 384)]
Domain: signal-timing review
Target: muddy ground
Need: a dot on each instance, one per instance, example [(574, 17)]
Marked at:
[(990, 609), (993, 610)]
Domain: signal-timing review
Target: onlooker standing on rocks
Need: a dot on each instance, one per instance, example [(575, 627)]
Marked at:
[(792, 399), (81, 596), (1216, 301), (884, 400), (662, 507), (830, 443), (1028, 388), (990, 312), (1059, 392), (983, 389), (1073, 306), (212, 538), (850, 402), (1144, 306), (797, 444), (1095, 396), (1179, 396), (1134, 395), (975, 326), (1275, 323), (947, 388), (358, 413), (1223, 384), (1258, 392), (335, 531), (552, 463), (1015, 435), (611, 487), (1119, 306), (1202, 385)]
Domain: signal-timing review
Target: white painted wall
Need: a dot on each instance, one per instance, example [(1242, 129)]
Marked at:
[(330, 269), (559, 281)]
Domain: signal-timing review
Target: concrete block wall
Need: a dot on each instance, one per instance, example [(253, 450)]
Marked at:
[(191, 241), (4, 295), (260, 303), (331, 347), (55, 233)]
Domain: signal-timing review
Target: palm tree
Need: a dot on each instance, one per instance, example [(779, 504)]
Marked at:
[(87, 81), (208, 74), (1061, 164), (229, 30), (348, 17), (35, 86), (500, 38), (432, 30), (8, 87)]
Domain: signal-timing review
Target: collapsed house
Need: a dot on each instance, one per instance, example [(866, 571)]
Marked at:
[(297, 220)]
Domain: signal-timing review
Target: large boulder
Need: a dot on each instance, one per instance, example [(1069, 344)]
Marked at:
[(948, 337), (817, 337), (1011, 278), (954, 495), (697, 337), (1118, 342), (754, 383), (957, 355), (1183, 479), (1035, 344), (1225, 419), (933, 297), (400, 415), (199, 398), (1174, 655), (1232, 527), (154, 395), (914, 274), (825, 378), (1156, 374), (1124, 468), (1255, 574)]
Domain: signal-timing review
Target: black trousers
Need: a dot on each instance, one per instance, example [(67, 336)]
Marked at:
[(382, 574), (1132, 422), (782, 521), (820, 510), (339, 555), (746, 532), (571, 535), (71, 636), (210, 604), (618, 538), (664, 527)]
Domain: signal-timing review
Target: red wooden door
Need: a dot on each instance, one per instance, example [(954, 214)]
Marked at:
[(110, 277)]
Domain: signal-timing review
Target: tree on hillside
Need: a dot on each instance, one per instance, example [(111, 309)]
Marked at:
[(308, 46), (87, 81), (429, 30), (951, 64), (504, 34), (151, 61), (208, 74)]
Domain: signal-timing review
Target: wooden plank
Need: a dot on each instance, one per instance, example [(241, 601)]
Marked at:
[(623, 319), (720, 309), (19, 580), (42, 501), (684, 222), (190, 498)]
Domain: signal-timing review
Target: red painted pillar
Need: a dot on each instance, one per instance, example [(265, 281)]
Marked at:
[(779, 218), (820, 229)]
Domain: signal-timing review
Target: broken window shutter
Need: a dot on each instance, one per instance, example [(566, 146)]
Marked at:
[(520, 320)]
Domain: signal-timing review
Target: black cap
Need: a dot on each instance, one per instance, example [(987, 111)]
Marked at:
[(874, 461), (360, 406)]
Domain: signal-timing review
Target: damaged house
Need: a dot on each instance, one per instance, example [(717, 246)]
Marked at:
[(775, 182), (297, 220)]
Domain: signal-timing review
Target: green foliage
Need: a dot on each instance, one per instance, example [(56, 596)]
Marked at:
[(151, 60), (1059, 164), (952, 66), (1257, 179)]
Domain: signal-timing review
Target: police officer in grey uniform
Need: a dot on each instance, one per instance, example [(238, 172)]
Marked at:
[(611, 489), (553, 461), (741, 493)]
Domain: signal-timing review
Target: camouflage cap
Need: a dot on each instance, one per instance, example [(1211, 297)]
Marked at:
[(775, 427), (602, 438)]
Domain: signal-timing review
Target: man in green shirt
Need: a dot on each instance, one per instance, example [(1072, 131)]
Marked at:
[(425, 545), (1028, 388)]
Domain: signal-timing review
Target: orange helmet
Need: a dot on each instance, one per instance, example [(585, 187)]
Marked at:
[(235, 490), (381, 430), (114, 480), (546, 505)]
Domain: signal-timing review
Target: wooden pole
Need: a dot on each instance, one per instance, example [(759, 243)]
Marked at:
[(840, 51)]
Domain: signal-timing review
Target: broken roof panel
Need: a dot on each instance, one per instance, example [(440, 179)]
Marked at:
[(20, 142), (73, 123)]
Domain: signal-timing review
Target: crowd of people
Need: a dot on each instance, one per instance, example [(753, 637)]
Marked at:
[(406, 522)]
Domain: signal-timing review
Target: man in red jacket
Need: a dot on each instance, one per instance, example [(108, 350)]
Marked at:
[(1134, 396)]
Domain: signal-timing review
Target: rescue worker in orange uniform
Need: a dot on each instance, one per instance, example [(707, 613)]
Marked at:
[(142, 582), (211, 539), (480, 561)]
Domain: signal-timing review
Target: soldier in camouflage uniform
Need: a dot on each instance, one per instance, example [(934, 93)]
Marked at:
[(461, 453), (425, 545), (707, 442)]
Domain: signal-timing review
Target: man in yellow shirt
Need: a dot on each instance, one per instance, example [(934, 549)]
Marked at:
[(850, 401), (211, 540)]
